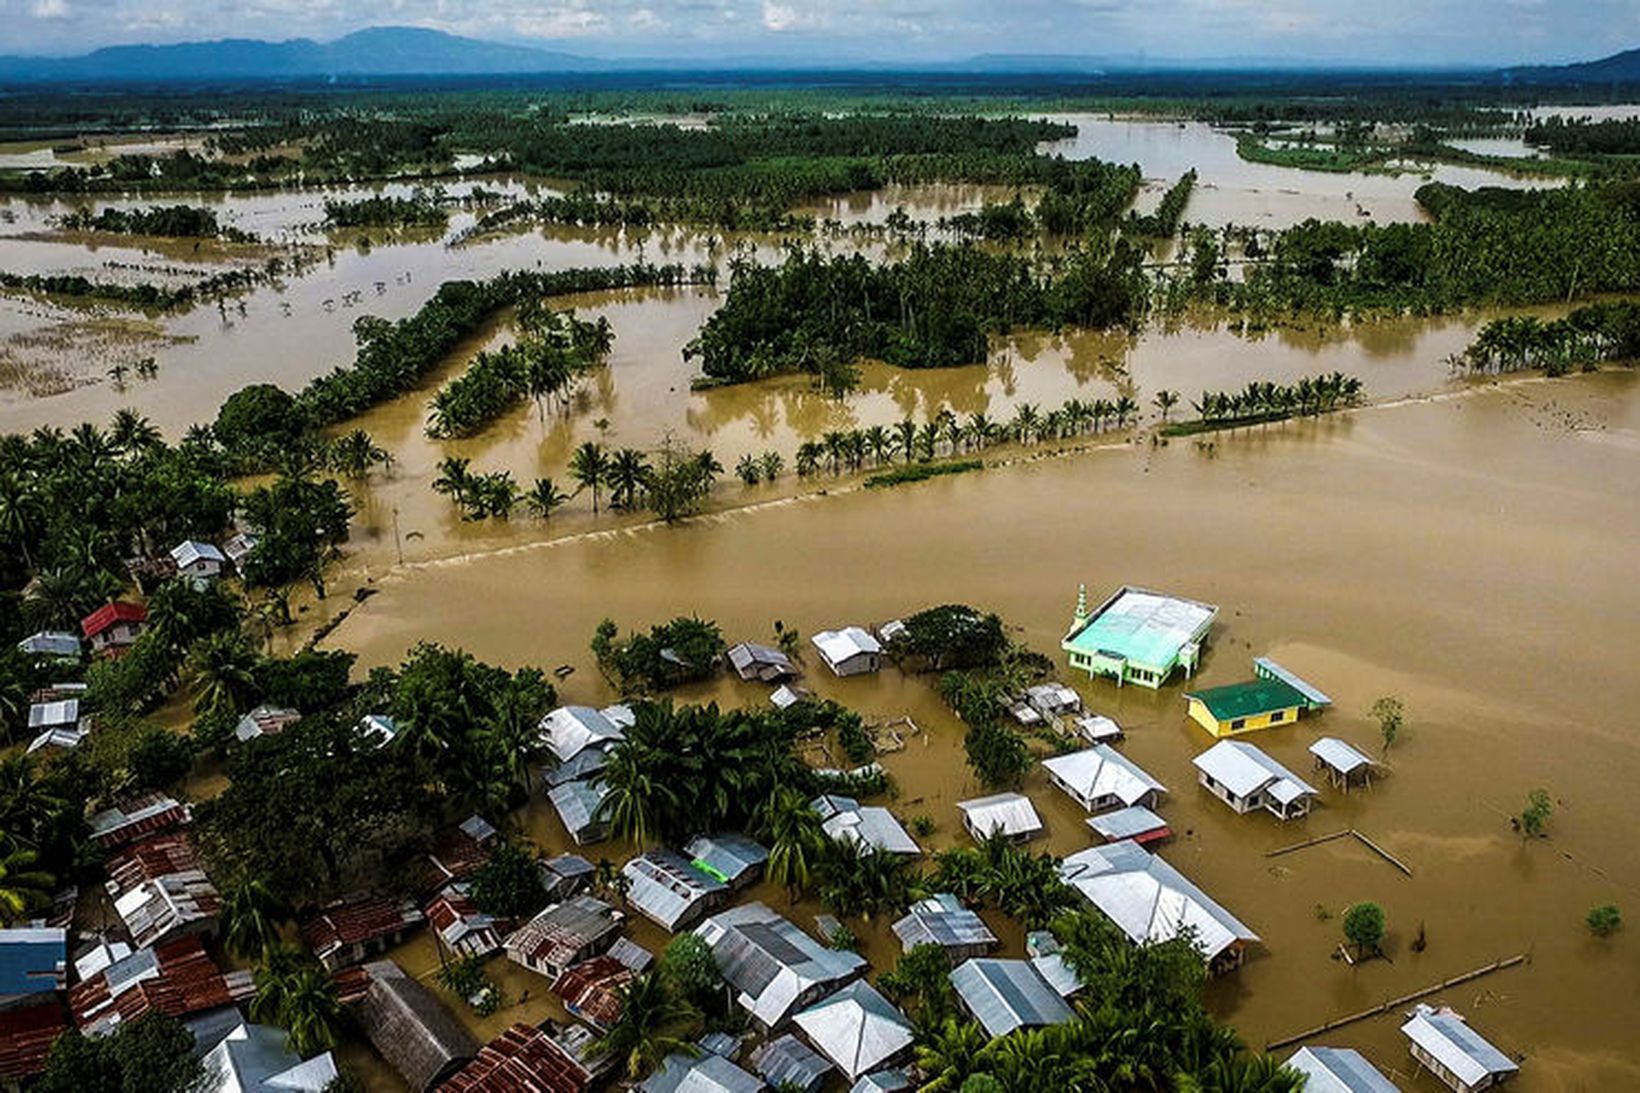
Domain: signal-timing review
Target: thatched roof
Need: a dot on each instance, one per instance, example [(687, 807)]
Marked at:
[(412, 1029)]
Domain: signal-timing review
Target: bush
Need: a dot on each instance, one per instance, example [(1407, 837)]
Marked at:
[(160, 758), (509, 884), (1364, 926), (1604, 920)]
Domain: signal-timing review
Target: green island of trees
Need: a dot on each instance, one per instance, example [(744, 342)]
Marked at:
[(176, 221)]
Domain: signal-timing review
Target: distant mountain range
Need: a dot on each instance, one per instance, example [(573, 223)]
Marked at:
[(414, 51)]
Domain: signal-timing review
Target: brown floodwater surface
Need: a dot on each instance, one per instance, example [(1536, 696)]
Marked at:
[(1471, 554)]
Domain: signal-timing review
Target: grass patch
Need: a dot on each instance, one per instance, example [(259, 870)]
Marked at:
[(916, 472), (1198, 425)]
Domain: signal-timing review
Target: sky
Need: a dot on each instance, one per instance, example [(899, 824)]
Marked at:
[(1410, 32)]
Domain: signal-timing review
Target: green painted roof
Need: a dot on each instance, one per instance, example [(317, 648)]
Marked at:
[(1145, 627), (1250, 699)]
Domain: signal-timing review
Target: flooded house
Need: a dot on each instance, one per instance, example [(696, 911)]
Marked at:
[(733, 859), (707, 1073), (114, 627), (160, 890), (410, 1028), (565, 875), (564, 935), (265, 721), (531, 1059), (1010, 814), (1338, 1070), (591, 990), (942, 920), (1101, 778), (1273, 697), (850, 651), (857, 1029), (1245, 778), (774, 967), (177, 978), (1005, 996), (1150, 901), (460, 851), (258, 1059), (578, 805), (1098, 729), (671, 890), (789, 1064), (1444, 1044), (755, 663), (1138, 823), (198, 562), (461, 928), (569, 730), (1137, 636), (872, 826), (352, 930), (137, 817), (1345, 764)]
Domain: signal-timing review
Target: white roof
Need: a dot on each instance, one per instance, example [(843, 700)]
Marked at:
[(1338, 1070), (55, 643), (46, 715), (1004, 995), (1102, 771), (186, 553), (257, 1059), (785, 697), (569, 730), (378, 725), (1244, 769), (837, 646), (1125, 823), (58, 738), (1011, 813), (1098, 728), (1444, 1035), (100, 956), (870, 825), (1340, 756), (1148, 899), (770, 962), (856, 1028)]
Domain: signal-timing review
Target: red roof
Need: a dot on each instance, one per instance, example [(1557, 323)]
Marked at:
[(154, 857), (175, 978), (520, 1060), (358, 920), (592, 990), (26, 1036), (110, 613), (137, 817)]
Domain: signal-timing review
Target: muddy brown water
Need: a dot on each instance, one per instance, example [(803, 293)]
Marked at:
[(1469, 553)]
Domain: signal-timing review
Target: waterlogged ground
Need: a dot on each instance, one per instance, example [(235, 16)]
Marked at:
[(1469, 553)]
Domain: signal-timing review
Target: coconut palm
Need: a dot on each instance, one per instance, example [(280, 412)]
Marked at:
[(590, 467), (949, 1054), (132, 433), (795, 836), (224, 674), (311, 1012), (251, 914), (654, 1024), (1165, 401), (23, 888), (29, 805), (905, 439), (628, 470), (809, 454), (771, 464), (880, 442), (544, 497)]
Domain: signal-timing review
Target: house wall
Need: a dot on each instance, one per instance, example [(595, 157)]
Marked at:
[(1217, 789), (1201, 715), (858, 664), (1449, 1079)]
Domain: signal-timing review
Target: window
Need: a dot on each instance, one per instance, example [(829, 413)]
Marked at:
[(1279, 715), (1238, 724)]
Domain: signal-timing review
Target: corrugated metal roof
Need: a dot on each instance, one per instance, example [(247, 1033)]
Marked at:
[(186, 553), (884, 1081), (772, 964), (869, 825), (258, 1059), (667, 887), (1127, 823), (730, 858), (942, 920), (837, 646), (568, 730), (1249, 698), (790, 1062), (49, 715), (1456, 1046), (857, 1029), (1143, 626), (559, 935), (51, 643), (577, 805), (1339, 755), (1338, 1070), (1148, 899), (1005, 995), (1011, 813), (1244, 769), (1265, 666), (1102, 771), (32, 960), (709, 1073)]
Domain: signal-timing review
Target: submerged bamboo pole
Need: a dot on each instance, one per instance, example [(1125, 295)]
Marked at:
[(1386, 1006), (1348, 832)]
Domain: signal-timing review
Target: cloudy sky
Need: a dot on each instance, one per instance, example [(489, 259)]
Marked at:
[(1376, 31)]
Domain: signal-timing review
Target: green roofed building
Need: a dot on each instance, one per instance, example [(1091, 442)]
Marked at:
[(1138, 636), (1273, 697)]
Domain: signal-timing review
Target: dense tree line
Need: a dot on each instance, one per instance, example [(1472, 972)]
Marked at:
[(937, 307), (144, 295), (1162, 223), (1262, 401), (1584, 338), (422, 209), (1585, 136), (553, 350), (178, 221)]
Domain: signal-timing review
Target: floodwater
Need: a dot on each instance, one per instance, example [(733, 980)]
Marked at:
[(1469, 553)]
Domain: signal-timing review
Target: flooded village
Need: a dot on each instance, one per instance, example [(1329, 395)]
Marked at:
[(1323, 721)]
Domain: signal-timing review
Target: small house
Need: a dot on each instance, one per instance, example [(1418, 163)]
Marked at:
[(1245, 778), (1011, 814), (1345, 764), (1137, 823), (1338, 1070), (1098, 729), (177, 978), (850, 651), (258, 1059), (58, 740), (570, 730), (1048, 959), (461, 928), (1444, 1044), (857, 1029), (1137, 636), (114, 627), (1007, 995), (51, 646), (707, 1073), (565, 875), (789, 1064), (1100, 778), (378, 728), (872, 826), (785, 696), (773, 967), (265, 721), (632, 954), (760, 664), (33, 965), (160, 890), (459, 852), (198, 562), (1053, 700), (352, 930), (591, 990), (1273, 697), (733, 859), (579, 806), (1150, 901), (528, 1059), (942, 920), (49, 716), (137, 817), (670, 890), (239, 547), (410, 1028), (564, 934), (27, 1031)]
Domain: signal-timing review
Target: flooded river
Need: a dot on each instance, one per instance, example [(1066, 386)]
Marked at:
[(1470, 554)]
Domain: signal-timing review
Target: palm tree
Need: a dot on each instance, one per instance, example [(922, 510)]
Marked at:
[(224, 673), (590, 468), (23, 889), (654, 1024), (1165, 400), (1027, 423), (795, 836), (949, 1054), (29, 805), (250, 915), (311, 1012), (628, 471), (20, 514), (543, 497), (880, 442), (634, 799), (905, 439), (1124, 409), (454, 479), (132, 433), (809, 454)]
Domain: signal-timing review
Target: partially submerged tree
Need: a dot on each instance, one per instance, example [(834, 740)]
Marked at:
[(1364, 927), (1388, 712)]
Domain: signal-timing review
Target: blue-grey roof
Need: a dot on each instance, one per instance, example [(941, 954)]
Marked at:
[(772, 965), (789, 1061), (1149, 899), (577, 805), (942, 920), (728, 857), (667, 887), (1444, 1035), (857, 1029), (884, 1081), (710, 1073), (1005, 995), (1338, 1070), (583, 765), (51, 643), (1126, 823), (257, 1059), (32, 961)]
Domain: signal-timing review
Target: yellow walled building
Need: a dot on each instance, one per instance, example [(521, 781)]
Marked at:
[(1274, 697)]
